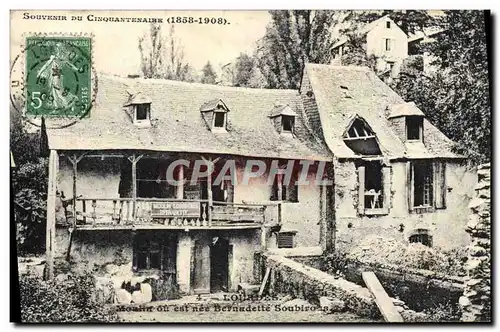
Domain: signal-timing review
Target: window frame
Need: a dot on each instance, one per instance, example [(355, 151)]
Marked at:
[(148, 243), (387, 24), (418, 120), (136, 112), (385, 173), (216, 112), (163, 246), (388, 45), (439, 186), (283, 120), (282, 193)]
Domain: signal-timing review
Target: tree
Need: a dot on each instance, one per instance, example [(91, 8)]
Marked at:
[(29, 186), (456, 97), (292, 39), (208, 74), (163, 57), (246, 73)]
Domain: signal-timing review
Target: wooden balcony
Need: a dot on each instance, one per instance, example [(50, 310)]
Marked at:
[(156, 213)]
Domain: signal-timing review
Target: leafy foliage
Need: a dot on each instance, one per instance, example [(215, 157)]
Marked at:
[(29, 186), (246, 73), (163, 57), (456, 96), (395, 252), (292, 39), (68, 301), (208, 74)]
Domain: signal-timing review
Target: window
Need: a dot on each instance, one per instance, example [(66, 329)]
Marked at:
[(414, 127), (427, 190), (219, 119), (388, 24), (388, 44), (421, 236), (288, 122), (154, 252), (423, 184), (374, 187), (142, 111), (284, 192), (286, 239), (361, 139)]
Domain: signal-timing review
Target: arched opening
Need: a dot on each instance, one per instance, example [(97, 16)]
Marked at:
[(421, 236)]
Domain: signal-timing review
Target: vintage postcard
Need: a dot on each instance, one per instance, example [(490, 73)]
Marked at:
[(288, 166)]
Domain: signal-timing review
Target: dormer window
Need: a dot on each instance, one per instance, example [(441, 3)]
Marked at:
[(219, 119), (283, 117), (414, 128), (360, 138), (138, 107), (214, 112), (287, 122), (408, 121), (142, 112)]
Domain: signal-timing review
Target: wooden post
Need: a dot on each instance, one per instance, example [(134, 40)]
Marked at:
[(279, 213), (74, 161), (323, 221), (133, 159), (51, 214), (180, 183), (209, 191), (280, 186)]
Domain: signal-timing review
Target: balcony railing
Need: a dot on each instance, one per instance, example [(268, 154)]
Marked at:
[(172, 213)]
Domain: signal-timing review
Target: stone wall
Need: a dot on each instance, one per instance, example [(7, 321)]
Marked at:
[(421, 289), (476, 300), (302, 281), (445, 225)]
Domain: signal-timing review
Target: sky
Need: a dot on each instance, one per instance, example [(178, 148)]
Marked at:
[(116, 44)]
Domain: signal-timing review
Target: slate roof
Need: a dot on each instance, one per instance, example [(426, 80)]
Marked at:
[(406, 109), (370, 99), (180, 126), (282, 110)]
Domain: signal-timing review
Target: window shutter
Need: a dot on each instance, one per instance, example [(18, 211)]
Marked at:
[(440, 184), (361, 190), (285, 240), (409, 184), (274, 190), (386, 178)]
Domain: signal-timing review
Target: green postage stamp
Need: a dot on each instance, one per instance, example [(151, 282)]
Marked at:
[(58, 76)]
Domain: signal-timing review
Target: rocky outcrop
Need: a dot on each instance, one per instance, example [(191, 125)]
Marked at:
[(476, 300)]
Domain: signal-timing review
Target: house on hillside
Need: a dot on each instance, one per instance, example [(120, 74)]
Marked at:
[(113, 208), (417, 44), (385, 40), (396, 174)]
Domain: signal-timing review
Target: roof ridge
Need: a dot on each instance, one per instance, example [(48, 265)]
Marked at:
[(132, 81), (349, 67)]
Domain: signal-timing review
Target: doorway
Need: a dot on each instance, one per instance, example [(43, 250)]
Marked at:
[(219, 265)]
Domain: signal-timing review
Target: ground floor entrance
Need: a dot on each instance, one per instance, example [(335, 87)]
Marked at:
[(211, 263)]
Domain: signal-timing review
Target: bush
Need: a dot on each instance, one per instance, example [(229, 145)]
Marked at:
[(66, 301)]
